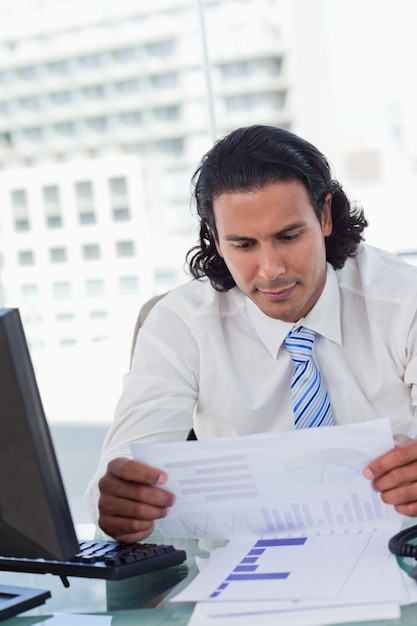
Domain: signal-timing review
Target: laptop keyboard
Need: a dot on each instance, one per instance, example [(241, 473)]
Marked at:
[(117, 554)]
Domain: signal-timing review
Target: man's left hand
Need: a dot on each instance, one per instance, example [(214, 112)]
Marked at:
[(394, 475)]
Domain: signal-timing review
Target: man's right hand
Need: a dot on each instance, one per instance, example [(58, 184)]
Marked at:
[(130, 500)]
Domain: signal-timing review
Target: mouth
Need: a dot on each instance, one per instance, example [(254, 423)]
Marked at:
[(278, 295)]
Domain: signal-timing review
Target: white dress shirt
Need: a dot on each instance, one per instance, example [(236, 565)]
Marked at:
[(215, 362)]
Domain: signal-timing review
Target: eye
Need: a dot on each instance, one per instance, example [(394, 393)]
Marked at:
[(244, 245), (290, 236)]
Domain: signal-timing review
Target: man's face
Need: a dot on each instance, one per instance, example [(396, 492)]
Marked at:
[(273, 245)]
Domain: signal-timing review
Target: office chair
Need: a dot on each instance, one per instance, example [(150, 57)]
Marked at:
[(143, 314)]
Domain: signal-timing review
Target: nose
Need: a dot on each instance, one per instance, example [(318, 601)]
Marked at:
[(270, 264)]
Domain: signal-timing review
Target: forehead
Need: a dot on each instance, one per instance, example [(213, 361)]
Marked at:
[(280, 202)]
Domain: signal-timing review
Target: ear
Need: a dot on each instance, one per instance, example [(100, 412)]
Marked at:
[(326, 216)]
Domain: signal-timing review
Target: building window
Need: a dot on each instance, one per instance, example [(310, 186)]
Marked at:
[(58, 255), (65, 317), (28, 73), (62, 289), (131, 118), (125, 248), (124, 55), (84, 190), (118, 186), (91, 61), (97, 123), (128, 284), (26, 257), (91, 251), (87, 217), (163, 81), (127, 86), (21, 225), (67, 342), (98, 315), (61, 97), (95, 92), (121, 214), (94, 287), (67, 129), (54, 221), (18, 198), (33, 134), (29, 290), (167, 114), (30, 104), (59, 68), (161, 48)]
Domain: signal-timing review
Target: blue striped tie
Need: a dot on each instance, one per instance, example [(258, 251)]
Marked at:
[(311, 403)]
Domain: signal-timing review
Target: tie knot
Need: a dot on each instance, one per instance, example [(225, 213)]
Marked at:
[(299, 343)]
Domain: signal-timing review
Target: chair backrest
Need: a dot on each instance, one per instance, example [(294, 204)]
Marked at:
[(143, 314)]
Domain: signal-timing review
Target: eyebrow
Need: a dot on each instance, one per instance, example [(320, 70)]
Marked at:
[(280, 233)]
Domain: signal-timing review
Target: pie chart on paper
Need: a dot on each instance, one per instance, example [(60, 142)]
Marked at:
[(332, 466)]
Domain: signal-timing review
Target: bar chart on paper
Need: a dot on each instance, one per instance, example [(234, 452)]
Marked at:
[(271, 483), (334, 565)]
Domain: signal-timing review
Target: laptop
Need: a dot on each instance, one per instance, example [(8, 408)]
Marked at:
[(37, 533)]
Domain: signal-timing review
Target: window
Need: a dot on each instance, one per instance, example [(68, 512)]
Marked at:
[(84, 190), (26, 257), (58, 255), (61, 97), (91, 251), (67, 129), (65, 317), (95, 92), (98, 315), (125, 248), (124, 55), (91, 61), (127, 86), (21, 225), (62, 289), (170, 113), (163, 81), (67, 342), (94, 287), (131, 118), (29, 290), (18, 198), (121, 214), (54, 221), (118, 186), (128, 284), (28, 73), (34, 133), (161, 48), (59, 68), (97, 123), (87, 217), (30, 104), (50, 195)]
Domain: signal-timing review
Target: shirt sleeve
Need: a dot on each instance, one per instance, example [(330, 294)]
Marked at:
[(159, 394)]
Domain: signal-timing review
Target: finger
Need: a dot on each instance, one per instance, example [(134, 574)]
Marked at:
[(399, 456), (126, 530), (404, 498), (133, 471)]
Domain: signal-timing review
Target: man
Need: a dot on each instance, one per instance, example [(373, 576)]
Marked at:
[(280, 253)]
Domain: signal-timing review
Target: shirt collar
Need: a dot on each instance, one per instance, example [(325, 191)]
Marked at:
[(324, 318)]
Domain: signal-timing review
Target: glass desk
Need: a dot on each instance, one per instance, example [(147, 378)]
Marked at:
[(143, 600)]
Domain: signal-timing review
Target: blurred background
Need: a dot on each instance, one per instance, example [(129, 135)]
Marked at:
[(106, 107)]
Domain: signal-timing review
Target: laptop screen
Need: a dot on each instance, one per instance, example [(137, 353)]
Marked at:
[(35, 519)]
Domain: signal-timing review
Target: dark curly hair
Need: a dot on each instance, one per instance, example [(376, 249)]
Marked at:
[(250, 158)]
